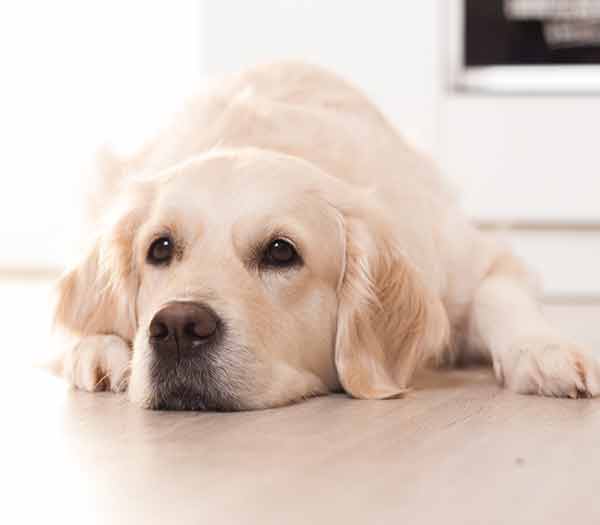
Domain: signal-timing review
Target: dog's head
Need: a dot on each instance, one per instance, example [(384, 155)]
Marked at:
[(246, 279)]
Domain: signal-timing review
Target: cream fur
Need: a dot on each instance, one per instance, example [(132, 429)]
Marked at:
[(394, 274)]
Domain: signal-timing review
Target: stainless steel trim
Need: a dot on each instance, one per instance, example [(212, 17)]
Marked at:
[(571, 299), (530, 80), (539, 226)]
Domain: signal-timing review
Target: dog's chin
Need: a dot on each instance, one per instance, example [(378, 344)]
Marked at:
[(190, 385), (190, 399)]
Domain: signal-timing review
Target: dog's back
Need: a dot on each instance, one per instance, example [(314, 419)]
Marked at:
[(289, 107)]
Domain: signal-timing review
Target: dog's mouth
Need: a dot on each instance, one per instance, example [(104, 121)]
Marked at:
[(211, 382), (187, 398)]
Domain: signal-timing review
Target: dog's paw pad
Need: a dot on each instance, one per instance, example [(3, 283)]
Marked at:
[(98, 363), (550, 368)]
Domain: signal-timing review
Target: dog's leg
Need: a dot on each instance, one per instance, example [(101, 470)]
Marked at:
[(528, 354), (99, 362)]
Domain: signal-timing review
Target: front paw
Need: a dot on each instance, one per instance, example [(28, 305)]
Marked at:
[(99, 362), (545, 366)]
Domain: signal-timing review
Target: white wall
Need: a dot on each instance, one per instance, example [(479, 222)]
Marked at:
[(387, 49), (76, 75)]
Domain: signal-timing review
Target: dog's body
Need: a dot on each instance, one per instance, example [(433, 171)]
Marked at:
[(388, 275)]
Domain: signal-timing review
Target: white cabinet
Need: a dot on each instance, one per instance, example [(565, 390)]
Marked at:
[(533, 159), (532, 162)]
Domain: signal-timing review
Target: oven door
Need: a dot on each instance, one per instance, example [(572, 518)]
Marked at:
[(519, 130)]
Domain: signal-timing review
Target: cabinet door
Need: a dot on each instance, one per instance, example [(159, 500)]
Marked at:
[(534, 159)]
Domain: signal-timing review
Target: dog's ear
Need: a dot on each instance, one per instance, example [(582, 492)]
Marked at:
[(97, 296), (388, 320)]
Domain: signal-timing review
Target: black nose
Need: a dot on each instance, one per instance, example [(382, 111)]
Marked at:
[(183, 328)]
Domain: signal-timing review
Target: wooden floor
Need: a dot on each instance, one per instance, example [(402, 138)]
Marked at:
[(458, 450)]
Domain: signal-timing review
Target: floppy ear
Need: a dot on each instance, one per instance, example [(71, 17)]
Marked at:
[(97, 296), (388, 320)]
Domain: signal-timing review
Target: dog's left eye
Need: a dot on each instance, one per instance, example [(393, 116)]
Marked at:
[(161, 251), (280, 253)]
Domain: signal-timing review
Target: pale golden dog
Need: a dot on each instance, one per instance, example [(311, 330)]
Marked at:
[(279, 241)]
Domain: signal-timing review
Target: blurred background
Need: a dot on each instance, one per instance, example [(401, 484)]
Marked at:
[(503, 94)]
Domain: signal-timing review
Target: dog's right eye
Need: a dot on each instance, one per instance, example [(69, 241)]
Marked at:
[(161, 251)]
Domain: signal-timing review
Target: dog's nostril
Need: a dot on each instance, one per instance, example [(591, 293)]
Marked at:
[(158, 330), (201, 328)]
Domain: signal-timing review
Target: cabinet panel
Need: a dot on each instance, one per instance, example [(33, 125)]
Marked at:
[(527, 158), (568, 262)]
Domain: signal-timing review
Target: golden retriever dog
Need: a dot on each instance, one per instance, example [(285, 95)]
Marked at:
[(280, 240)]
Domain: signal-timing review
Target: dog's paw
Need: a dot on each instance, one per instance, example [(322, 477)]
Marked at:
[(99, 362), (548, 367)]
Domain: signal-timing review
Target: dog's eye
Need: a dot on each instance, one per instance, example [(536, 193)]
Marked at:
[(280, 253), (161, 251)]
